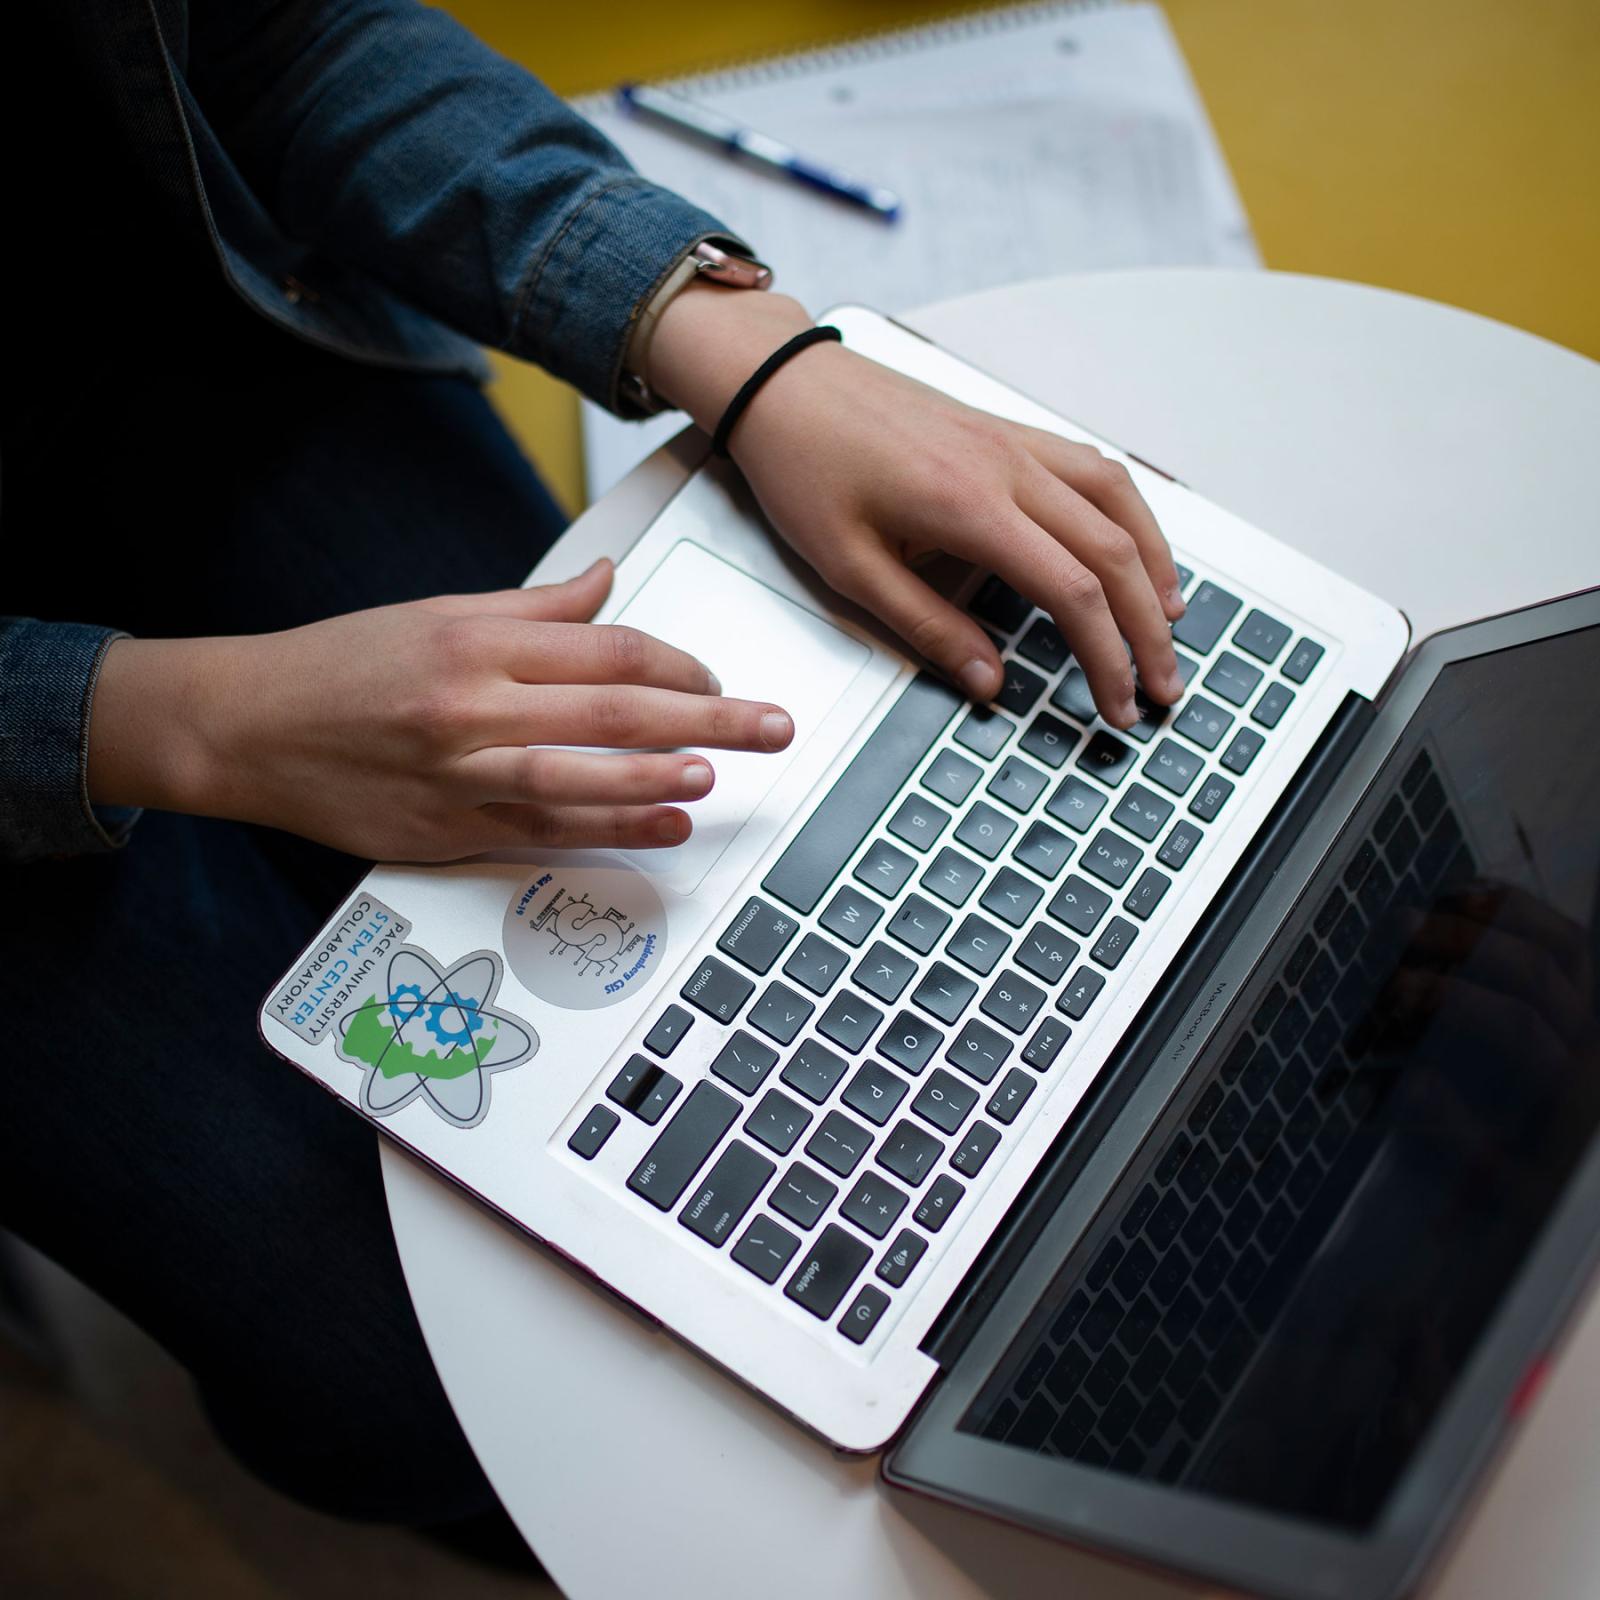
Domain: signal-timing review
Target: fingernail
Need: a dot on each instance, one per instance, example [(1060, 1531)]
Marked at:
[(976, 679), (697, 777), (1129, 713), (1174, 600), (1174, 684), (713, 682), (776, 729), (672, 829)]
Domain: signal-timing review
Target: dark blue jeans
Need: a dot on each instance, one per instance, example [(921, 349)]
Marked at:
[(151, 1144)]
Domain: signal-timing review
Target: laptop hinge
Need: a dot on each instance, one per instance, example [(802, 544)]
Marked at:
[(1094, 1117)]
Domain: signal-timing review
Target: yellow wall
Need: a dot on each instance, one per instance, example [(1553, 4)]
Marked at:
[(1450, 148)]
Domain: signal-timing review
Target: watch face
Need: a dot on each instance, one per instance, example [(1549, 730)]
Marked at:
[(733, 268)]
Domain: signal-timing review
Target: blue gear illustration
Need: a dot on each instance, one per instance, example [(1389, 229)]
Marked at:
[(454, 1036), (411, 991)]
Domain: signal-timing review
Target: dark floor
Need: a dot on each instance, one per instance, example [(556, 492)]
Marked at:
[(112, 1486)]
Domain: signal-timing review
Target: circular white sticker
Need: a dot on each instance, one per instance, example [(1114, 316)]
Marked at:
[(584, 935)]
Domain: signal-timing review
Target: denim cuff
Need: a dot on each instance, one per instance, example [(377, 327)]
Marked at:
[(581, 297), (47, 678)]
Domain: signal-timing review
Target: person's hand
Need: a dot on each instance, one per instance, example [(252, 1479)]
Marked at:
[(402, 733), (864, 471)]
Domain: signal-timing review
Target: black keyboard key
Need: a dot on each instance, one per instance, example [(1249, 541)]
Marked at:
[(1179, 846), (851, 916), (998, 604), (918, 924), (1143, 898), (802, 1195), (944, 993), (1046, 1043), (1020, 689), (901, 1256), (873, 1205), (970, 1156), (1082, 988), (766, 1249), (590, 1134), (1262, 636), (718, 1203), (777, 1122), (780, 1013), (834, 830), (663, 1091), (814, 1071), (1012, 1001), (1232, 679), (1173, 767), (1246, 746), (744, 1061), (1043, 850), (951, 777), (1043, 645), (1275, 700), (1107, 758), (667, 1030), (1011, 897), (1143, 813), (1203, 723), (1110, 858), (1302, 661), (1017, 784), (875, 1092), (633, 1081), (1079, 905), (978, 1051), (1049, 740), (816, 963), (849, 1021), (1113, 943), (1210, 611), (864, 1314), (909, 1153), (1011, 1096), (1076, 803), (717, 989), (984, 732), (757, 936), (938, 1203), (985, 831), (1073, 696), (1210, 797), (827, 1270), (1046, 953), (884, 972), (944, 1100), (977, 944), (683, 1146), (839, 1144), (952, 876), (918, 822), (908, 1041), (884, 868)]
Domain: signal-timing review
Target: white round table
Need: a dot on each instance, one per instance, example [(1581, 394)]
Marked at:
[(1439, 459)]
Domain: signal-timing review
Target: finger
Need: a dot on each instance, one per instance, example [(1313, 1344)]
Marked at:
[(935, 629), (1038, 566), (628, 717), (574, 600), (593, 652), (1109, 485), (584, 827), (541, 776), (1110, 553)]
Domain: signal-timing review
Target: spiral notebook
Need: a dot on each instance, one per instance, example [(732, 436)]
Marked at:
[(1023, 141)]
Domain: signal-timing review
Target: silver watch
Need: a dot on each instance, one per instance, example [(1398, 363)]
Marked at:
[(720, 259)]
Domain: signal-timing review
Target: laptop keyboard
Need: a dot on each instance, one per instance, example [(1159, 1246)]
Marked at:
[(1137, 1364), (917, 958)]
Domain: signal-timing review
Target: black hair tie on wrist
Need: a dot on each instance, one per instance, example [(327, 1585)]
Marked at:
[(784, 352)]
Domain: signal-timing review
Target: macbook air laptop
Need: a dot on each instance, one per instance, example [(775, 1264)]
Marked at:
[(1178, 1140)]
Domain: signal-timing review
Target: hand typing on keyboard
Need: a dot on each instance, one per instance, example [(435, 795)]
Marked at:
[(864, 471)]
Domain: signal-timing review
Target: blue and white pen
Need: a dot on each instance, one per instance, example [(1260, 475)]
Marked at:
[(736, 139)]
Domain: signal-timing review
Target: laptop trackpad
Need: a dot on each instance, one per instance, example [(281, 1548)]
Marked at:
[(761, 646)]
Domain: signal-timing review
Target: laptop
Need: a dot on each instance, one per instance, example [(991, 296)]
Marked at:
[(1177, 1141)]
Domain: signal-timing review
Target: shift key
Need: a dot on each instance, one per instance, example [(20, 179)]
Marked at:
[(683, 1145)]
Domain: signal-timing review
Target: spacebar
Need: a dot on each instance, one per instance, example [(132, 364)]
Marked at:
[(816, 854)]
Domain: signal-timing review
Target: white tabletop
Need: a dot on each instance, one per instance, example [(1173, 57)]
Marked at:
[(1438, 459)]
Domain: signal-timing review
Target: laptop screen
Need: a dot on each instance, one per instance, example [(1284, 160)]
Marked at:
[(1282, 1293)]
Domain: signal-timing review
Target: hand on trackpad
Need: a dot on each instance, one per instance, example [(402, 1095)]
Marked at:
[(762, 647)]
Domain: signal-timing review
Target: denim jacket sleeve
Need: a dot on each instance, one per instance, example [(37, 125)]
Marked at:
[(390, 138), (47, 677)]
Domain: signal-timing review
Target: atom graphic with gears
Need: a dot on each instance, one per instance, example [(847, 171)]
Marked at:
[(423, 1033)]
